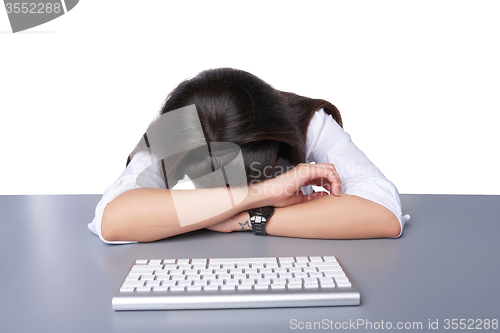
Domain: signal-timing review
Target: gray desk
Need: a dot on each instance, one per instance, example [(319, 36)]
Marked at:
[(56, 276)]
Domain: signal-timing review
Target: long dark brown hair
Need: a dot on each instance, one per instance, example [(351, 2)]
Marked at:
[(238, 107)]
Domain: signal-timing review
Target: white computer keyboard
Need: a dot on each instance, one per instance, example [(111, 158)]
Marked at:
[(235, 283)]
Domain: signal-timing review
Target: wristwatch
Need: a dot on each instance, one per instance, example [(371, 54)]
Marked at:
[(259, 217)]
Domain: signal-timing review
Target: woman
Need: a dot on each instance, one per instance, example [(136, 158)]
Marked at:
[(245, 146)]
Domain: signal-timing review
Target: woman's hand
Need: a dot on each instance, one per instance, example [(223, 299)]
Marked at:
[(284, 190)]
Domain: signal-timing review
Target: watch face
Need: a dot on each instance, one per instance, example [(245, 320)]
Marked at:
[(264, 211)]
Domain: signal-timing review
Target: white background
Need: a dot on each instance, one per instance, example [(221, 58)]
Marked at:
[(417, 83)]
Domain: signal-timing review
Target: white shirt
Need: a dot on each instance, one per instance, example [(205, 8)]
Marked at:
[(326, 142)]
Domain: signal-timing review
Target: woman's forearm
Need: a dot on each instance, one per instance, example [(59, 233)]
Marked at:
[(330, 217), (147, 214)]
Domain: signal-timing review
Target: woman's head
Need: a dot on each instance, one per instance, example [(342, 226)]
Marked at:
[(237, 107)]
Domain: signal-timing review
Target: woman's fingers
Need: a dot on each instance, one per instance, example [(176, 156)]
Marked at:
[(284, 190), (326, 176)]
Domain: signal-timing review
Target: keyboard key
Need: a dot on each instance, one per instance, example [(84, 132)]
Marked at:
[(127, 289), (261, 286), (152, 283), (141, 262), (243, 265), (216, 282), (199, 261), (310, 285), (227, 287), (184, 282), (143, 289), (168, 283), (200, 282), (248, 281), (206, 271), (323, 264), (330, 269), (341, 279), (344, 284), (310, 279), (287, 264), (161, 271), (160, 288), (286, 259), (193, 288), (254, 276), (315, 259), (294, 286), (177, 288), (285, 275), (325, 279), (150, 268), (208, 276), (155, 262), (301, 259), (133, 283), (330, 259), (169, 261), (211, 288), (231, 282), (182, 261), (132, 277), (270, 276), (244, 287), (240, 276), (301, 264), (278, 286)]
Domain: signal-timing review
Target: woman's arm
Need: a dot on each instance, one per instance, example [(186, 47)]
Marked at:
[(146, 214), (328, 217)]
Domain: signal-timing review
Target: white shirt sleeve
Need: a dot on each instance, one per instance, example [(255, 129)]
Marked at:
[(141, 164), (327, 142)]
